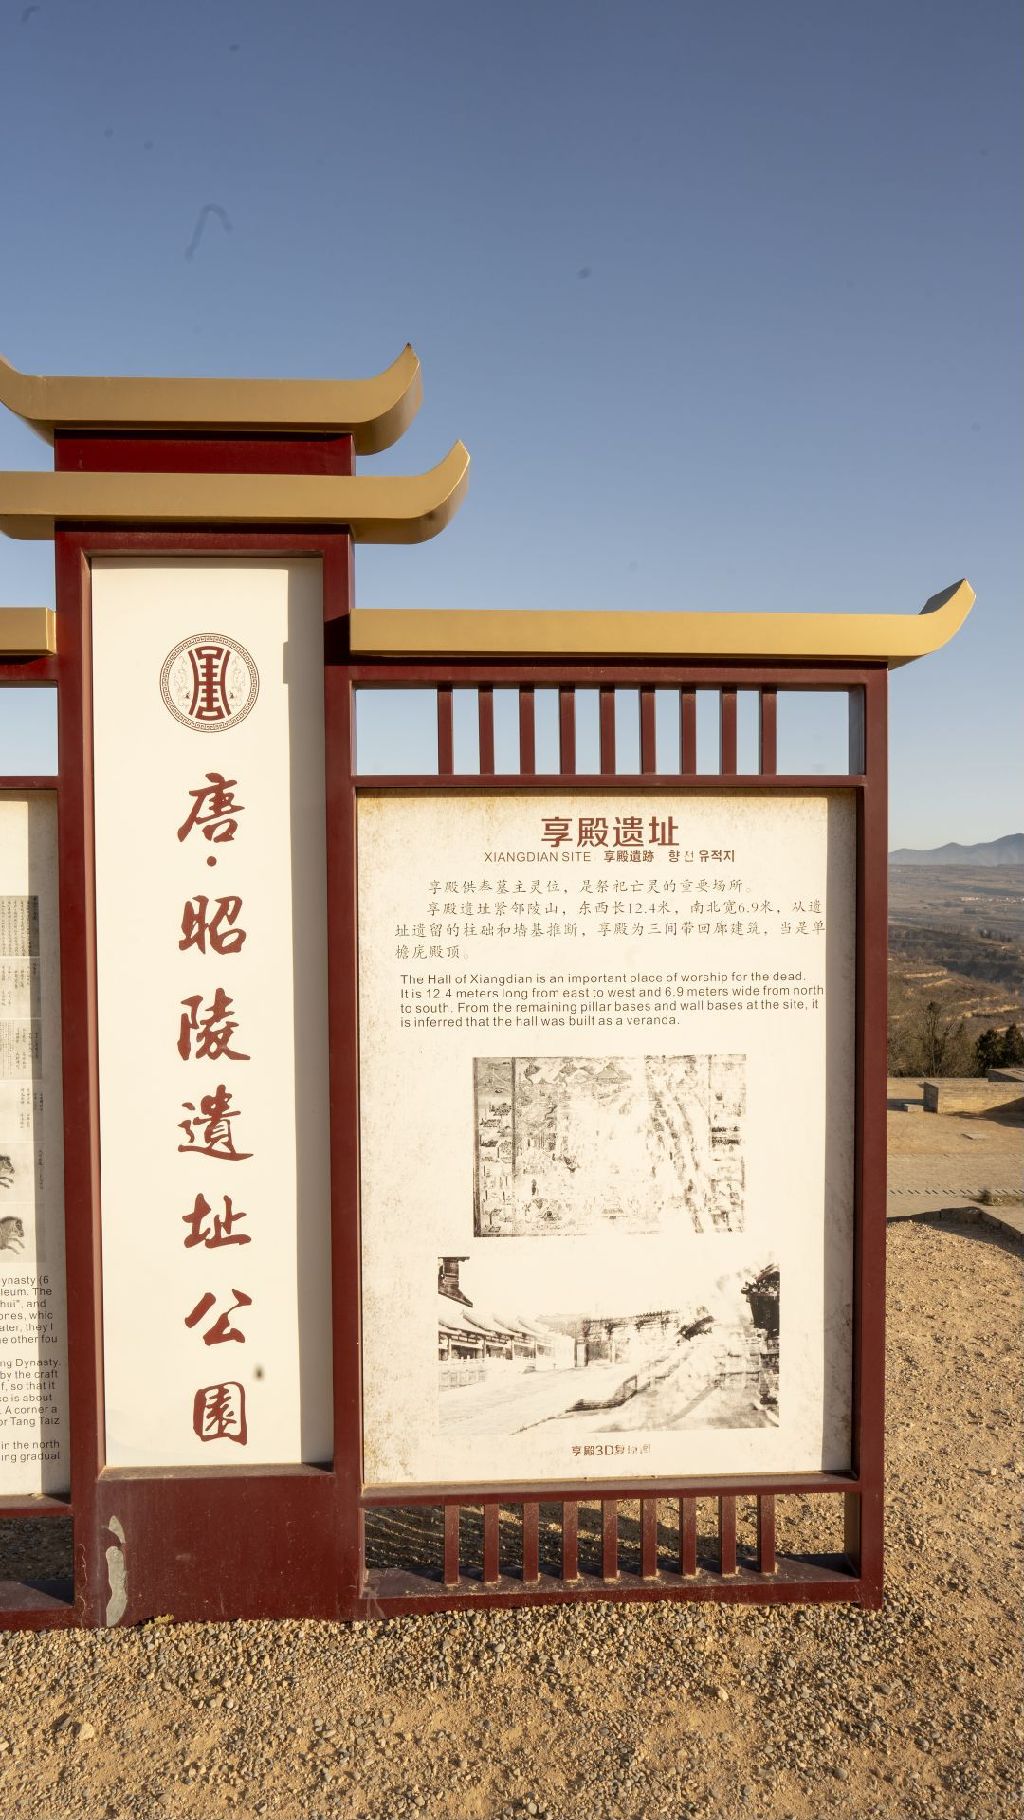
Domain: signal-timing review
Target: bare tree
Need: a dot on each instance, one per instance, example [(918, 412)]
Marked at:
[(924, 1039)]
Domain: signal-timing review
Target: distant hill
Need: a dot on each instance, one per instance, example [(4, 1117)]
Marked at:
[(1008, 850)]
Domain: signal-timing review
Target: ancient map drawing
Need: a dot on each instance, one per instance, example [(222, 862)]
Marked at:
[(707, 1362), (573, 1145)]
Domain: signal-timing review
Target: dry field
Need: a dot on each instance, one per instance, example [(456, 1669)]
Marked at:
[(639, 1711), (956, 935)]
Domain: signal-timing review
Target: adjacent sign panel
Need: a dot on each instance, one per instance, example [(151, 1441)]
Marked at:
[(607, 1134), (211, 967), (33, 1333)]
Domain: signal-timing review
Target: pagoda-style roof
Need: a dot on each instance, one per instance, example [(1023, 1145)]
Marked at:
[(398, 508), (889, 638), (881, 638), (374, 412)]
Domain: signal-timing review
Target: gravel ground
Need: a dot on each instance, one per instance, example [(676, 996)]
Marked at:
[(604, 1710)]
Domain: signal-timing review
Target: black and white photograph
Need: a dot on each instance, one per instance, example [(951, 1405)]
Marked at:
[(578, 1145), (704, 1359), (22, 1186)]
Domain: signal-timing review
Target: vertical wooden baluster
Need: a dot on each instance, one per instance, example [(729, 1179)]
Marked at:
[(767, 761), (570, 1540), (491, 1568), (727, 722), (485, 712), (727, 1535), (609, 1539), (649, 1538), (648, 738), (766, 1534), (688, 732), (531, 1543), (688, 1536), (607, 717), (567, 732), (451, 1545), (527, 734), (445, 734)]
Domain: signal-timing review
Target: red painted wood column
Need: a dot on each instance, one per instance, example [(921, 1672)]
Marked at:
[(203, 1543)]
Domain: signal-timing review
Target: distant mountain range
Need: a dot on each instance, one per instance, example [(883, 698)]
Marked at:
[(1008, 850)]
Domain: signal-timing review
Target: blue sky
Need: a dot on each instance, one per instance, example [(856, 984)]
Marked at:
[(722, 297)]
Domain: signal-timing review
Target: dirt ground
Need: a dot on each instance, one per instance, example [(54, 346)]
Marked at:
[(939, 1161), (635, 1711)]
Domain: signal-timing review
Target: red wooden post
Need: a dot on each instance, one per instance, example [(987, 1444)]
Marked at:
[(727, 1535), (648, 738), (607, 720), (688, 732), (485, 700), (727, 756), (570, 1544), (766, 1563), (531, 1543), (451, 1544), (527, 737), (649, 1538), (864, 1517), (610, 1539), (81, 1084), (445, 733), (491, 1567), (687, 1536), (567, 732), (767, 700)]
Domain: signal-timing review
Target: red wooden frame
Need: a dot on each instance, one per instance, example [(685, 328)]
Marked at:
[(199, 1542), (289, 1541), (773, 1576)]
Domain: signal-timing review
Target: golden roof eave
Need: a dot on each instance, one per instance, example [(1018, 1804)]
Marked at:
[(28, 632), (400, 508), (375, 412), (889, 638), (31, 631)]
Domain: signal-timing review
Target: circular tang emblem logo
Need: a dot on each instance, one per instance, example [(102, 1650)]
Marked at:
[(209, 682)]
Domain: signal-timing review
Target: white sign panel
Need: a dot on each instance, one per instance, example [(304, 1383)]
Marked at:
[(607, 1134), (211, 972), (33, 1331)]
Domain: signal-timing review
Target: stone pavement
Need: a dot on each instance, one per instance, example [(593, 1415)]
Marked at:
[(964, 1164)]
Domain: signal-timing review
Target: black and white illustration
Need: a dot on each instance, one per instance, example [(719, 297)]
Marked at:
[(21, 1082), (704, 1360), (20, 1191), (12, 1229), (577, 1145), (33, 1334)]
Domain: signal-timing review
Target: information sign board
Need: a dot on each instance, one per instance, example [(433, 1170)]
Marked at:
[(211, 988), (33, 1330), (606, 1088)]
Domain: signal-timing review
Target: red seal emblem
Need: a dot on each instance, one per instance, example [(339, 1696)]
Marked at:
[(209, 682)]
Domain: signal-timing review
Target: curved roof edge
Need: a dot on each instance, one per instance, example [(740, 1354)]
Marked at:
[(32, 631), (375, 412), (399, 508), (889, 638)]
